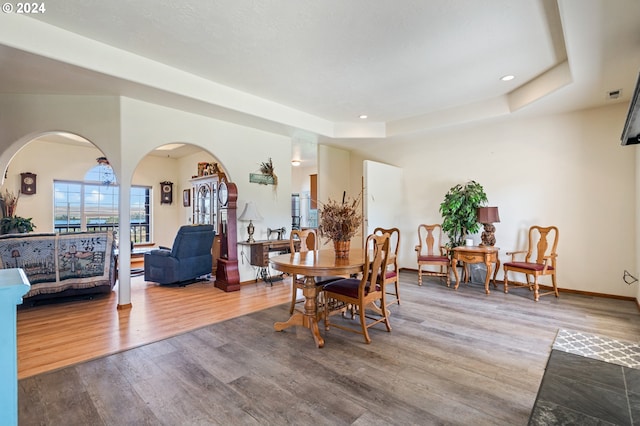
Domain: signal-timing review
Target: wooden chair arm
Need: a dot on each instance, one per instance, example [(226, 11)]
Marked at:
[(513, 254), (444, 250)]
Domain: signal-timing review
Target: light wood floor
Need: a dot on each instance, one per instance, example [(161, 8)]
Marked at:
[(56, 335)]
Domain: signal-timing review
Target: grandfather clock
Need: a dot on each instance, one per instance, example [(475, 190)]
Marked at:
[(227, 275)]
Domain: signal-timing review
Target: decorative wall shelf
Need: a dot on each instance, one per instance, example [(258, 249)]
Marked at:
[(262, 179)]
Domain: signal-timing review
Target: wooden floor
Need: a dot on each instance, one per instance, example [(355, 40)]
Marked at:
[(57, 335), (453, 357)]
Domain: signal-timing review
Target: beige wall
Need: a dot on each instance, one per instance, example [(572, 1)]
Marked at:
[(566, 170)]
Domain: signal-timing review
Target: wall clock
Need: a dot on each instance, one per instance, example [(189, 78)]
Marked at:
[(166, 192), (28, 183)]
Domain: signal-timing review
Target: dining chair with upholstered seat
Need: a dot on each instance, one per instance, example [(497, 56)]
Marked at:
[(363, 293), (539, 260), (302, 241), (392, 271), (431, 253)]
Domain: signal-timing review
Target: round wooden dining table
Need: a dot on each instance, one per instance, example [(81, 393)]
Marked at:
[(313, 264)]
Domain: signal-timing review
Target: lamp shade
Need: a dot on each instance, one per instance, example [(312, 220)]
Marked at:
[(488, 215), (250, 213)]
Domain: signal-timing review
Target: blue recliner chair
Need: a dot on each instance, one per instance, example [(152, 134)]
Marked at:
[(189, 258)]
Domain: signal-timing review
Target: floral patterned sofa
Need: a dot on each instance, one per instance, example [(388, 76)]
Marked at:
[(61, 265)]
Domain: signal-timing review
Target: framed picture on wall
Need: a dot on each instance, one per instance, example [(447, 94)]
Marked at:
[(186, 197)]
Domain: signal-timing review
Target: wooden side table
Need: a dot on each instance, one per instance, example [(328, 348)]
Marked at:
[(476, 254)]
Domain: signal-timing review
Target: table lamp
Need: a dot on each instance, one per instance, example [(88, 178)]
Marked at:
[(487, 216), (250, 213)]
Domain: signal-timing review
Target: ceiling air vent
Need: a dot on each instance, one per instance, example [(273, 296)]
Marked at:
[(614, 94)]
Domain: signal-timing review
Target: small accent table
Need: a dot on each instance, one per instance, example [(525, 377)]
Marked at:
[(476, 254), (259, 255)]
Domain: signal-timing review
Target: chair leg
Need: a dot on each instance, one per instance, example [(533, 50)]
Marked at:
[(419, 275), (506, 281), (555, 287), (398, 290), (363, 324), (536, 296)]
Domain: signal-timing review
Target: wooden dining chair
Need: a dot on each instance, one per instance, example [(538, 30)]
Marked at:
[(392, 271), (431, 253), (539, 260), (362, 294), (302, 241)]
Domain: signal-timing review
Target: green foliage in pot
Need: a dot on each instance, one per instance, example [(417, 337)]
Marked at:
[(458, 211), (15, 224)]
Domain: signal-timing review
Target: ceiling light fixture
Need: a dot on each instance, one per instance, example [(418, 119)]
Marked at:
[(295, 163), (507, 77), (363, 116)]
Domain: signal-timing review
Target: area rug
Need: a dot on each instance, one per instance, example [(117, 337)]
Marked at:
[(589, 379), (602, 348)]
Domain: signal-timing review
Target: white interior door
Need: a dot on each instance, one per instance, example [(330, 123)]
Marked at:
[(382, 195)]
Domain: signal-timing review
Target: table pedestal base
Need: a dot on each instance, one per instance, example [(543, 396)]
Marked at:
[(309, 318)]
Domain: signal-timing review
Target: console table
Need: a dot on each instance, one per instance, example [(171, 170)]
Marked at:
[(476, 254), (259, 255)]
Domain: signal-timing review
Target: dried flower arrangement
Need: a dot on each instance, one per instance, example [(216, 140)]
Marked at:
[(340, 221), (9, 203), (268, 169)]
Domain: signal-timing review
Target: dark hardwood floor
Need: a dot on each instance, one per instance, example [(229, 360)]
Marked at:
[(453, 357)]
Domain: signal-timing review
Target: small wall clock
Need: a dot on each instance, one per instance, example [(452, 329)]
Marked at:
[(166, 192), (28, 183)]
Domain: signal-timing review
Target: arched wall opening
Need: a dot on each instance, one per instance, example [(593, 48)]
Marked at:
[(177, 166), (51, 156)]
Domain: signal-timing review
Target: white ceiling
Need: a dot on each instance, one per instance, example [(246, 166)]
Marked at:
[(309, 68)]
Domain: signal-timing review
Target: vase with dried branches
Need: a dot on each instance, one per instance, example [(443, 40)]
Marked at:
[(339, 222)]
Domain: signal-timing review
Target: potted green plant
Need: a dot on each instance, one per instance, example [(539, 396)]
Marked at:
[(459, 217), (10, 223), (15, 225)]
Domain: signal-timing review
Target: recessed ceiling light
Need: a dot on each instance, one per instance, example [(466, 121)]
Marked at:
[(295, 163), (507, 77), (363, 116)]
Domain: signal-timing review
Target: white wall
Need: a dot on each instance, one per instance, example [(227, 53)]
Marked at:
[(566, 170), (240, 151), (135, 128)]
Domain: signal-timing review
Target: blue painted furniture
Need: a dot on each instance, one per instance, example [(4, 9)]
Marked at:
[(13, 285), (189, 258)]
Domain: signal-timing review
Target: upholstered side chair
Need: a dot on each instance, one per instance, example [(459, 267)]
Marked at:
[(362, 294), (431, 253), (539, 260), (392, 271)]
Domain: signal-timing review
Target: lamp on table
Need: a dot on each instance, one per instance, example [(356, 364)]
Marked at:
[(487, 216), (249, 214)]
